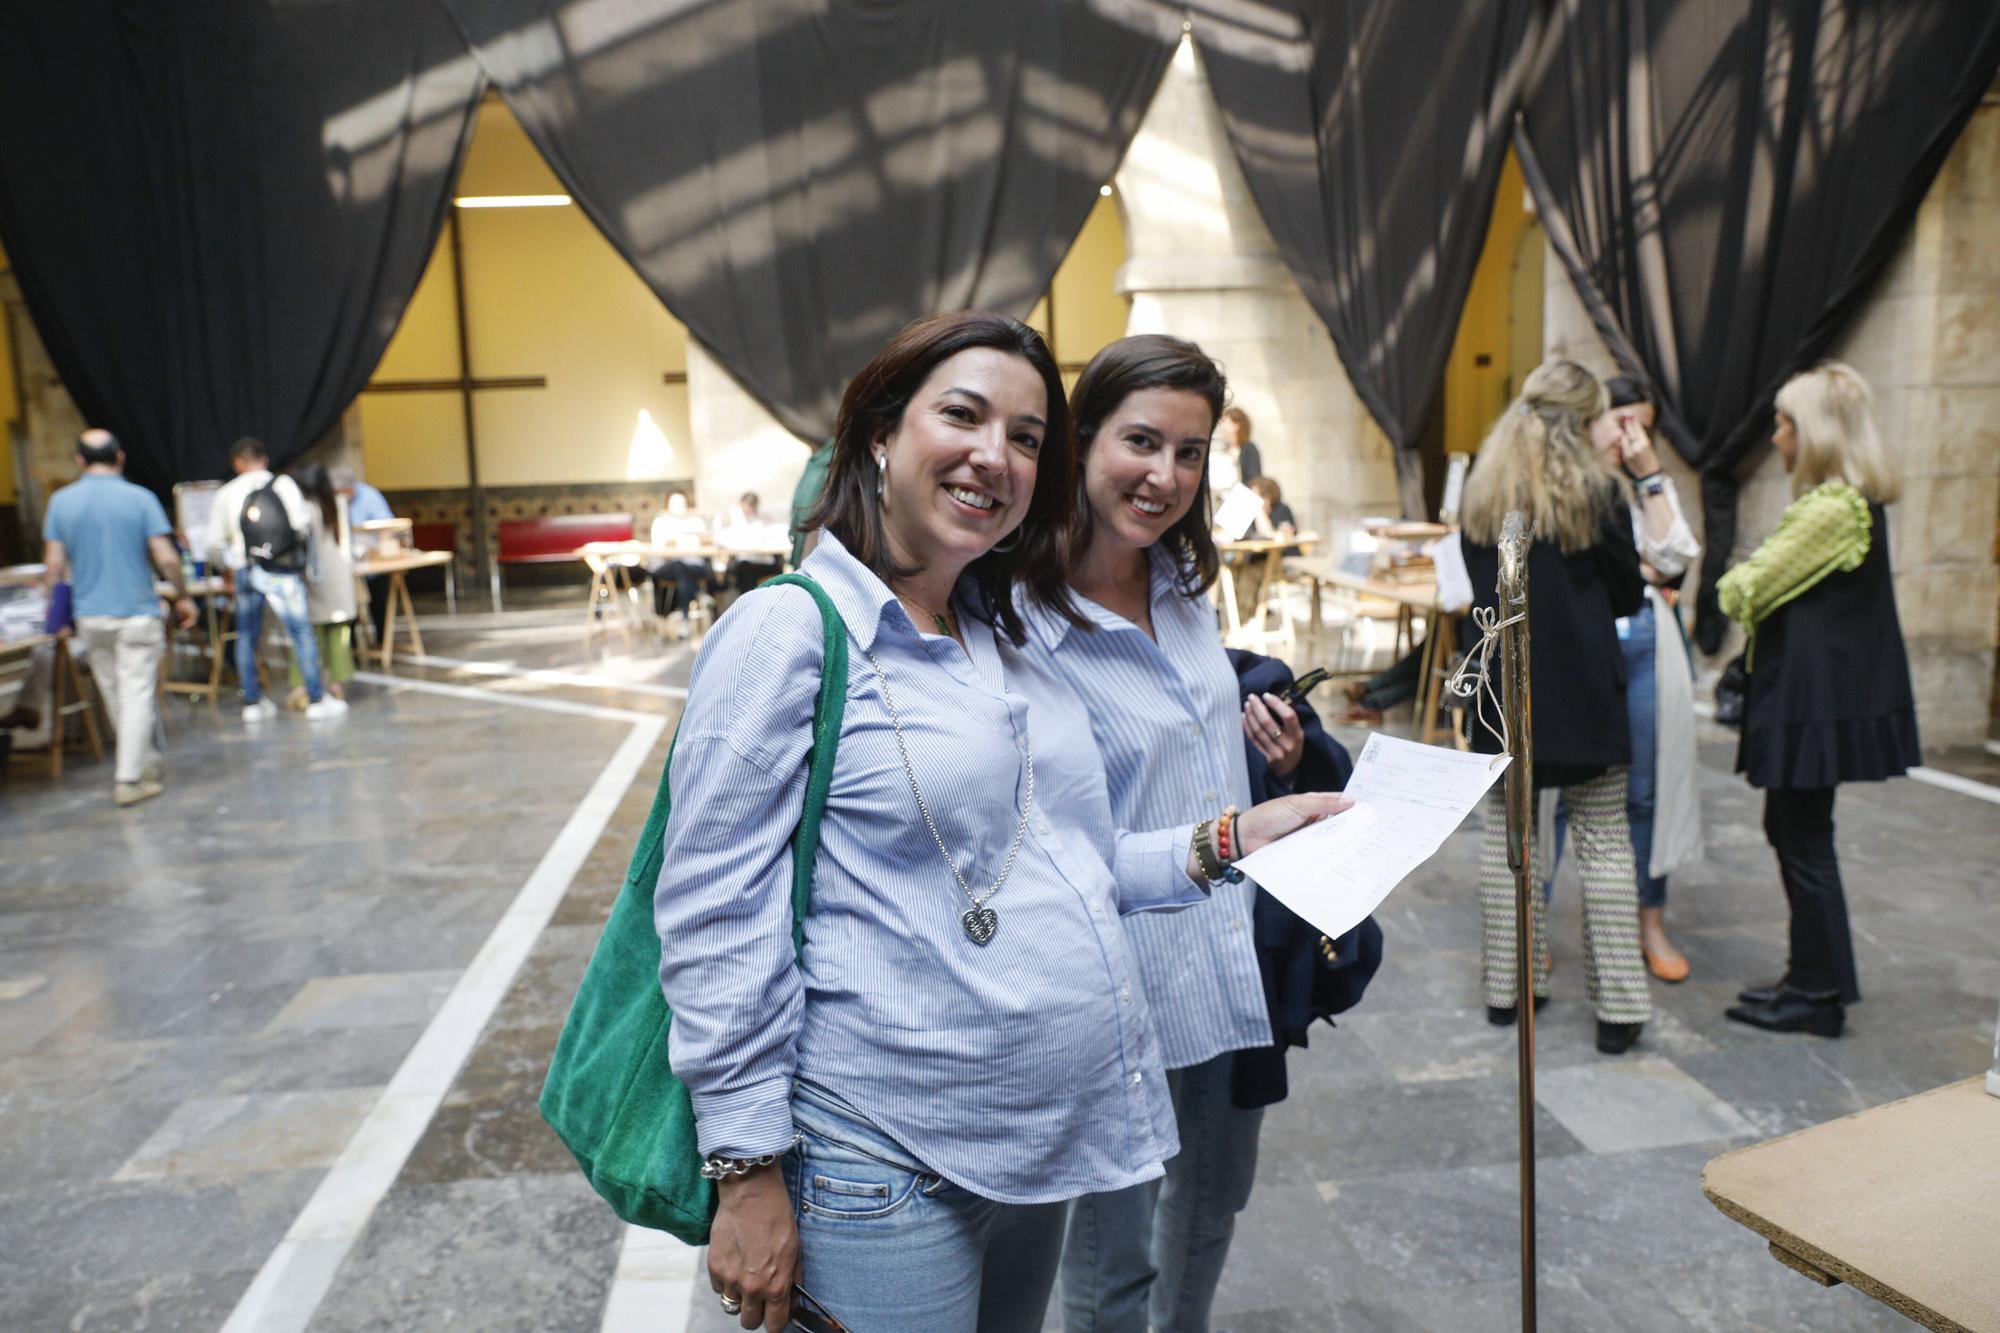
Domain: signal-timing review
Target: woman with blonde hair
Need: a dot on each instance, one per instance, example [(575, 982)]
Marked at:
[(1542, 459), (1829, 699)]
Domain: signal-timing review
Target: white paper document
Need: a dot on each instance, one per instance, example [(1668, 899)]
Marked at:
[(1407, 800)]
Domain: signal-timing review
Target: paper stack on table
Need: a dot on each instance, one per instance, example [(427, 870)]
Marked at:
[(1407, 800)]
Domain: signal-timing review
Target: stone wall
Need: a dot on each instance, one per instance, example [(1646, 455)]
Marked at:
[(1202, 265)]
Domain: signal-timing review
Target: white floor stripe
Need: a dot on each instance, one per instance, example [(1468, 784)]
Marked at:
[(653, 1291), (1953, 782), (295, 1279), (547, 676), (399, 683)]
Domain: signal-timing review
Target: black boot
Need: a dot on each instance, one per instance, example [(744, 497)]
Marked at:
[(1616, 1038), (1502, 1016), (1760, 994), (1794, 1010)]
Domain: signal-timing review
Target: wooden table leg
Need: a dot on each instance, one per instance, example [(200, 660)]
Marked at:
[(385, 651), (89, 714), (56, 675), (399, 590)]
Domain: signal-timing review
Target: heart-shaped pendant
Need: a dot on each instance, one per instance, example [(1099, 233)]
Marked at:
[(980, 923)]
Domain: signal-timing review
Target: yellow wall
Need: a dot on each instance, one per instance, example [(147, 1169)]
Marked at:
[(10, 405), (545, 295), (1474, 394), (1089, 311)]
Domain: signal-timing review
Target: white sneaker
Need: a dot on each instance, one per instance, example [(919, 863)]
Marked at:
[(329, 707), (259, 711)]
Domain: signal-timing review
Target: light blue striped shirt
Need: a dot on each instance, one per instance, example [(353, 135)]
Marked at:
[(1167, 719), (1026, 1070)]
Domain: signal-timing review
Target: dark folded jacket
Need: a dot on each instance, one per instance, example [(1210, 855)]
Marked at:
[(1301, 984)]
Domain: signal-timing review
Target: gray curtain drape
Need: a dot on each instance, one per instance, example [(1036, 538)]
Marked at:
[(1372, 134), (1724, 179), (218, 210), (796, 179)]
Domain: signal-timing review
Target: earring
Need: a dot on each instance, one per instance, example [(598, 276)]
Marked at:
[(881, 474), (1007, 544)]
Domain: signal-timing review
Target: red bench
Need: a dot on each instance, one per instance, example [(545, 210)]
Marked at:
[(553, 540)]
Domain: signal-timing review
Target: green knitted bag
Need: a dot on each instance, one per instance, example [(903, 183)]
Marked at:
[(611, 1095)]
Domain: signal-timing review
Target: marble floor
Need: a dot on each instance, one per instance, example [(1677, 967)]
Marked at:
[(270, 1045)]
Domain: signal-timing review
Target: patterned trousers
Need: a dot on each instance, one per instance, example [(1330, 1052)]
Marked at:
[(1613, 969)]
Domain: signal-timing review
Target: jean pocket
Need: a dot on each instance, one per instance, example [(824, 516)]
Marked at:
[(845, 1185)]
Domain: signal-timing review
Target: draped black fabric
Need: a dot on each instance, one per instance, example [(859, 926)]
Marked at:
[(1372, 134), (797, 179), (1723, 180), (218, 209)]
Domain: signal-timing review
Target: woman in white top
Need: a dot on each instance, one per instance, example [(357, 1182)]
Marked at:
[(330, 599), (1660, 799)]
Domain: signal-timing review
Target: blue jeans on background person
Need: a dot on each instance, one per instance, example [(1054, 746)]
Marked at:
[(286, 594), (892, 1247), (1151, 1255), (1638, 637)]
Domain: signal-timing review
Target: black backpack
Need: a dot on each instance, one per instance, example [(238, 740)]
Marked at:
[(269, 540)]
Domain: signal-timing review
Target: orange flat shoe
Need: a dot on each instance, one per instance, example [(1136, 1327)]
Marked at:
[(1668, 970)]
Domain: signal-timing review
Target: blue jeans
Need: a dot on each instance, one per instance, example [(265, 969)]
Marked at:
[(1152, 1254), (1638, 638), (892, 1247), (287, 595)]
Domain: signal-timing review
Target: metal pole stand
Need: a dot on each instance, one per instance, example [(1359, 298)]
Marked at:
[(1520, 800)]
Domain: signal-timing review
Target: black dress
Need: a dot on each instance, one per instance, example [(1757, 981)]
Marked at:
[(1830, 697), (1578, 669)]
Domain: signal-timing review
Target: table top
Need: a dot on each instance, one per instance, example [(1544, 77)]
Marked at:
[(1901, 1202), (1264, 545), (1421, 593), (14, 576), (401, 562), (24, 645), (701, 551)]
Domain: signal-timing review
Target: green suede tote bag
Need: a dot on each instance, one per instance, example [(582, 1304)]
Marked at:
[(611, 1094)]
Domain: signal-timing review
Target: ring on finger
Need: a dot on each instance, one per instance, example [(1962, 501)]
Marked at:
[(730, 1305)]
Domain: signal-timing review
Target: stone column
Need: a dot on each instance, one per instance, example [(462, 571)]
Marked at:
[(738, 446), (1202, 265), (50, 420), (1929, 342)]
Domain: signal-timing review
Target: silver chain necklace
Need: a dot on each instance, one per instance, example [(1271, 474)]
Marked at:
[(979, 920)]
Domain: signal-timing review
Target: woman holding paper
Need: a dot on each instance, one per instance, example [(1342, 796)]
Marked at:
[(1540, 458), (1162, 699), (897, 1112)]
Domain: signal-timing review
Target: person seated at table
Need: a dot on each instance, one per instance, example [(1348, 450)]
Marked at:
[(745, 529), (1277, 519), (678, 581)]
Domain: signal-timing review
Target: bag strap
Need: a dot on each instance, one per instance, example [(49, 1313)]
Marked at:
[(828, 710)]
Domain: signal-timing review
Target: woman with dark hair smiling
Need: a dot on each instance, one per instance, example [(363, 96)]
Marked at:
[(1162, 698), (898, 1113)]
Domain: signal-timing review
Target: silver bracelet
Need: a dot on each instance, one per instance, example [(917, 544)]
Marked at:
[(717, 1167)]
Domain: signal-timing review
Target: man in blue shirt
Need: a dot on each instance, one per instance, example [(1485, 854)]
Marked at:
[(110, 538), (365, 504)]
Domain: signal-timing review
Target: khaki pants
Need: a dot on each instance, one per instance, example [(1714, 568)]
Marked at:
[(125, 656)]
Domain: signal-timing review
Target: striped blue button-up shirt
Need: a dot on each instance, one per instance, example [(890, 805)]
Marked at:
[(1168, 722), (1025, 1070)]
